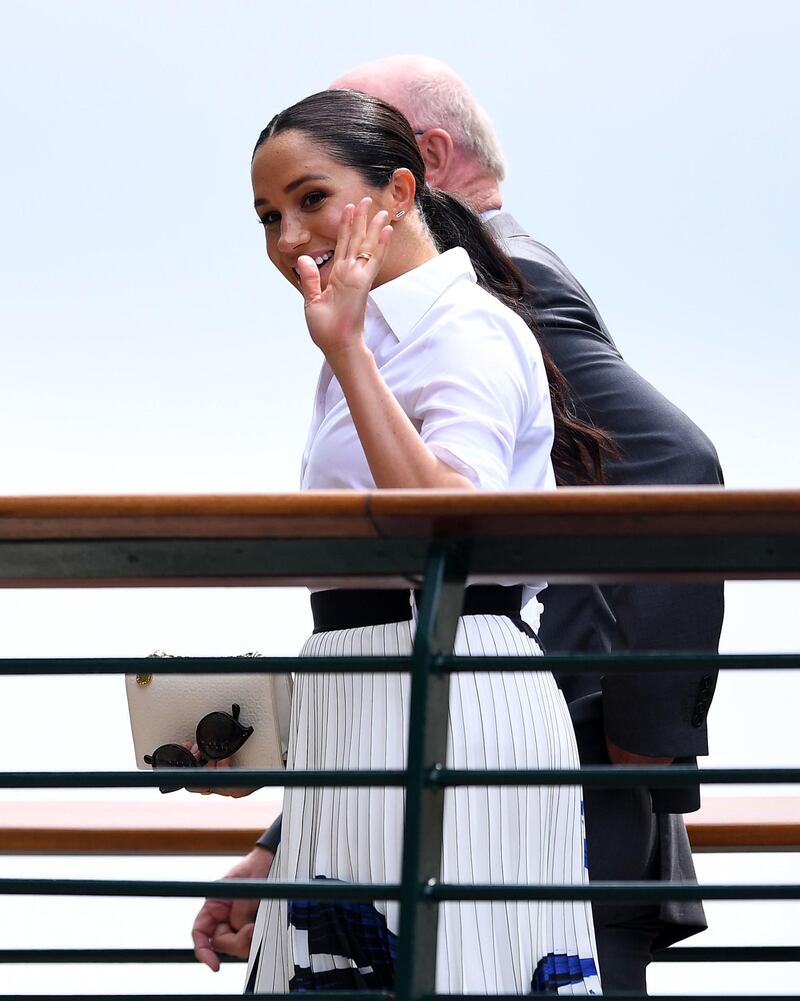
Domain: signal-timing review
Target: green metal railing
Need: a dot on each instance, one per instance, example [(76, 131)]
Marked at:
[(447, 563)]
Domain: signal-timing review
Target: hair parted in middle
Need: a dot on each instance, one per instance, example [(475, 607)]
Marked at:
[(375, 139)]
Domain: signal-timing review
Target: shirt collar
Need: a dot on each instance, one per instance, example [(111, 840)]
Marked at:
[(405, 300)]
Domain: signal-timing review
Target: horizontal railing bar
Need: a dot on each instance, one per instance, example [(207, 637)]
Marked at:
[(238, 889), (624, 663), (605, 776), (251, 889), (675, 954), (385, 996), (629, 892), (203, 665), (236, 778), (596, 556), (614, 776), (557, 663), (318, 996), (722, 954), (624, 996), (170, 956)]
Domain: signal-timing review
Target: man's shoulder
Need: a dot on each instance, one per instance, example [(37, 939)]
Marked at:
[(560, 303), (660, 443), (519, 244)]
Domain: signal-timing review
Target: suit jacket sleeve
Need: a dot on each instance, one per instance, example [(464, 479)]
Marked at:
[(271, 838), (656, 714)]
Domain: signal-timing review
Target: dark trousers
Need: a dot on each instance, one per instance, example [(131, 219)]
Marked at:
[(622, 841)]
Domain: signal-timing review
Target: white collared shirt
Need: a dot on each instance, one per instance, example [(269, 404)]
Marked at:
[(465, 369)]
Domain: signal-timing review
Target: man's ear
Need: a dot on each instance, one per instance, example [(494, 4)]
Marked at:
[(403, 190), (436, 147)]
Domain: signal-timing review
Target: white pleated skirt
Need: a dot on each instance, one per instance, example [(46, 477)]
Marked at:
[(517, 834)]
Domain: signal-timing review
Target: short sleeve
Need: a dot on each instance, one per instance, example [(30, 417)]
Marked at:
[(477, 389)]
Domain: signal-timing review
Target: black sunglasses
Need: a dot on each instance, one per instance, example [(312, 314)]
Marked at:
[(218, 735)]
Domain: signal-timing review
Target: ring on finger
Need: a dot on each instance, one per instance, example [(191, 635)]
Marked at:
[(364, 256)]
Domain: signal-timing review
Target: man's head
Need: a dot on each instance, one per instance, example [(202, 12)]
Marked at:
[(455, 135)]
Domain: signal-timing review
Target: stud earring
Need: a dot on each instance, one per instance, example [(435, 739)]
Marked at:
[(400, 214)]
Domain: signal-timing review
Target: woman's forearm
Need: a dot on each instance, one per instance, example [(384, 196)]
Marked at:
[(396, 454)]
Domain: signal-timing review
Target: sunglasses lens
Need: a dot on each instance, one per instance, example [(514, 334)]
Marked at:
[(173, 756), (220, 735)]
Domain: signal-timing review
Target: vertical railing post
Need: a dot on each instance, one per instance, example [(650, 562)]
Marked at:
[(442, 601)]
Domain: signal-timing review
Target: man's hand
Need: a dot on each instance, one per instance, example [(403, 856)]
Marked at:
[(619, 756), (227, 925)]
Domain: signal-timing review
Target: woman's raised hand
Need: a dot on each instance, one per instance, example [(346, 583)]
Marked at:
[(335, 315)]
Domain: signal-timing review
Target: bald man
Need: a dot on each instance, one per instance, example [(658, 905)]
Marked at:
[(625, 719)]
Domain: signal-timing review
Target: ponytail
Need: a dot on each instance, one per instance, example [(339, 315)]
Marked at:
[(578, 446)]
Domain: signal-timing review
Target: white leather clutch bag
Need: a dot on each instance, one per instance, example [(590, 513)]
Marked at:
[(166, 708)]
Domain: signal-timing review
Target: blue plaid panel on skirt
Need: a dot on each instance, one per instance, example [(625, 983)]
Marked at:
[(554, 971), (354, 931)]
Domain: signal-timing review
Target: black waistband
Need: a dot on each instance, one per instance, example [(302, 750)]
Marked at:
[(346, 608)]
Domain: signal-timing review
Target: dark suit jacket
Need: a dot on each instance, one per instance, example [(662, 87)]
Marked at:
[(657, 714)]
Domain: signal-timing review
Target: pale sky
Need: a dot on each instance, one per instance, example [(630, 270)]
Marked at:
[(148, 347)]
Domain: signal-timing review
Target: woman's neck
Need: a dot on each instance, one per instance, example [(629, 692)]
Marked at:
[(411, 247)]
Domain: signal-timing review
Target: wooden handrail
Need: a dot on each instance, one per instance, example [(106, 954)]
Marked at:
[(384, 513), (154, 828), (230, 828), (746, 823), (568, 534)]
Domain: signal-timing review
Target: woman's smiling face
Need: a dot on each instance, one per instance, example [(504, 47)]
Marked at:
[(300, 193)]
